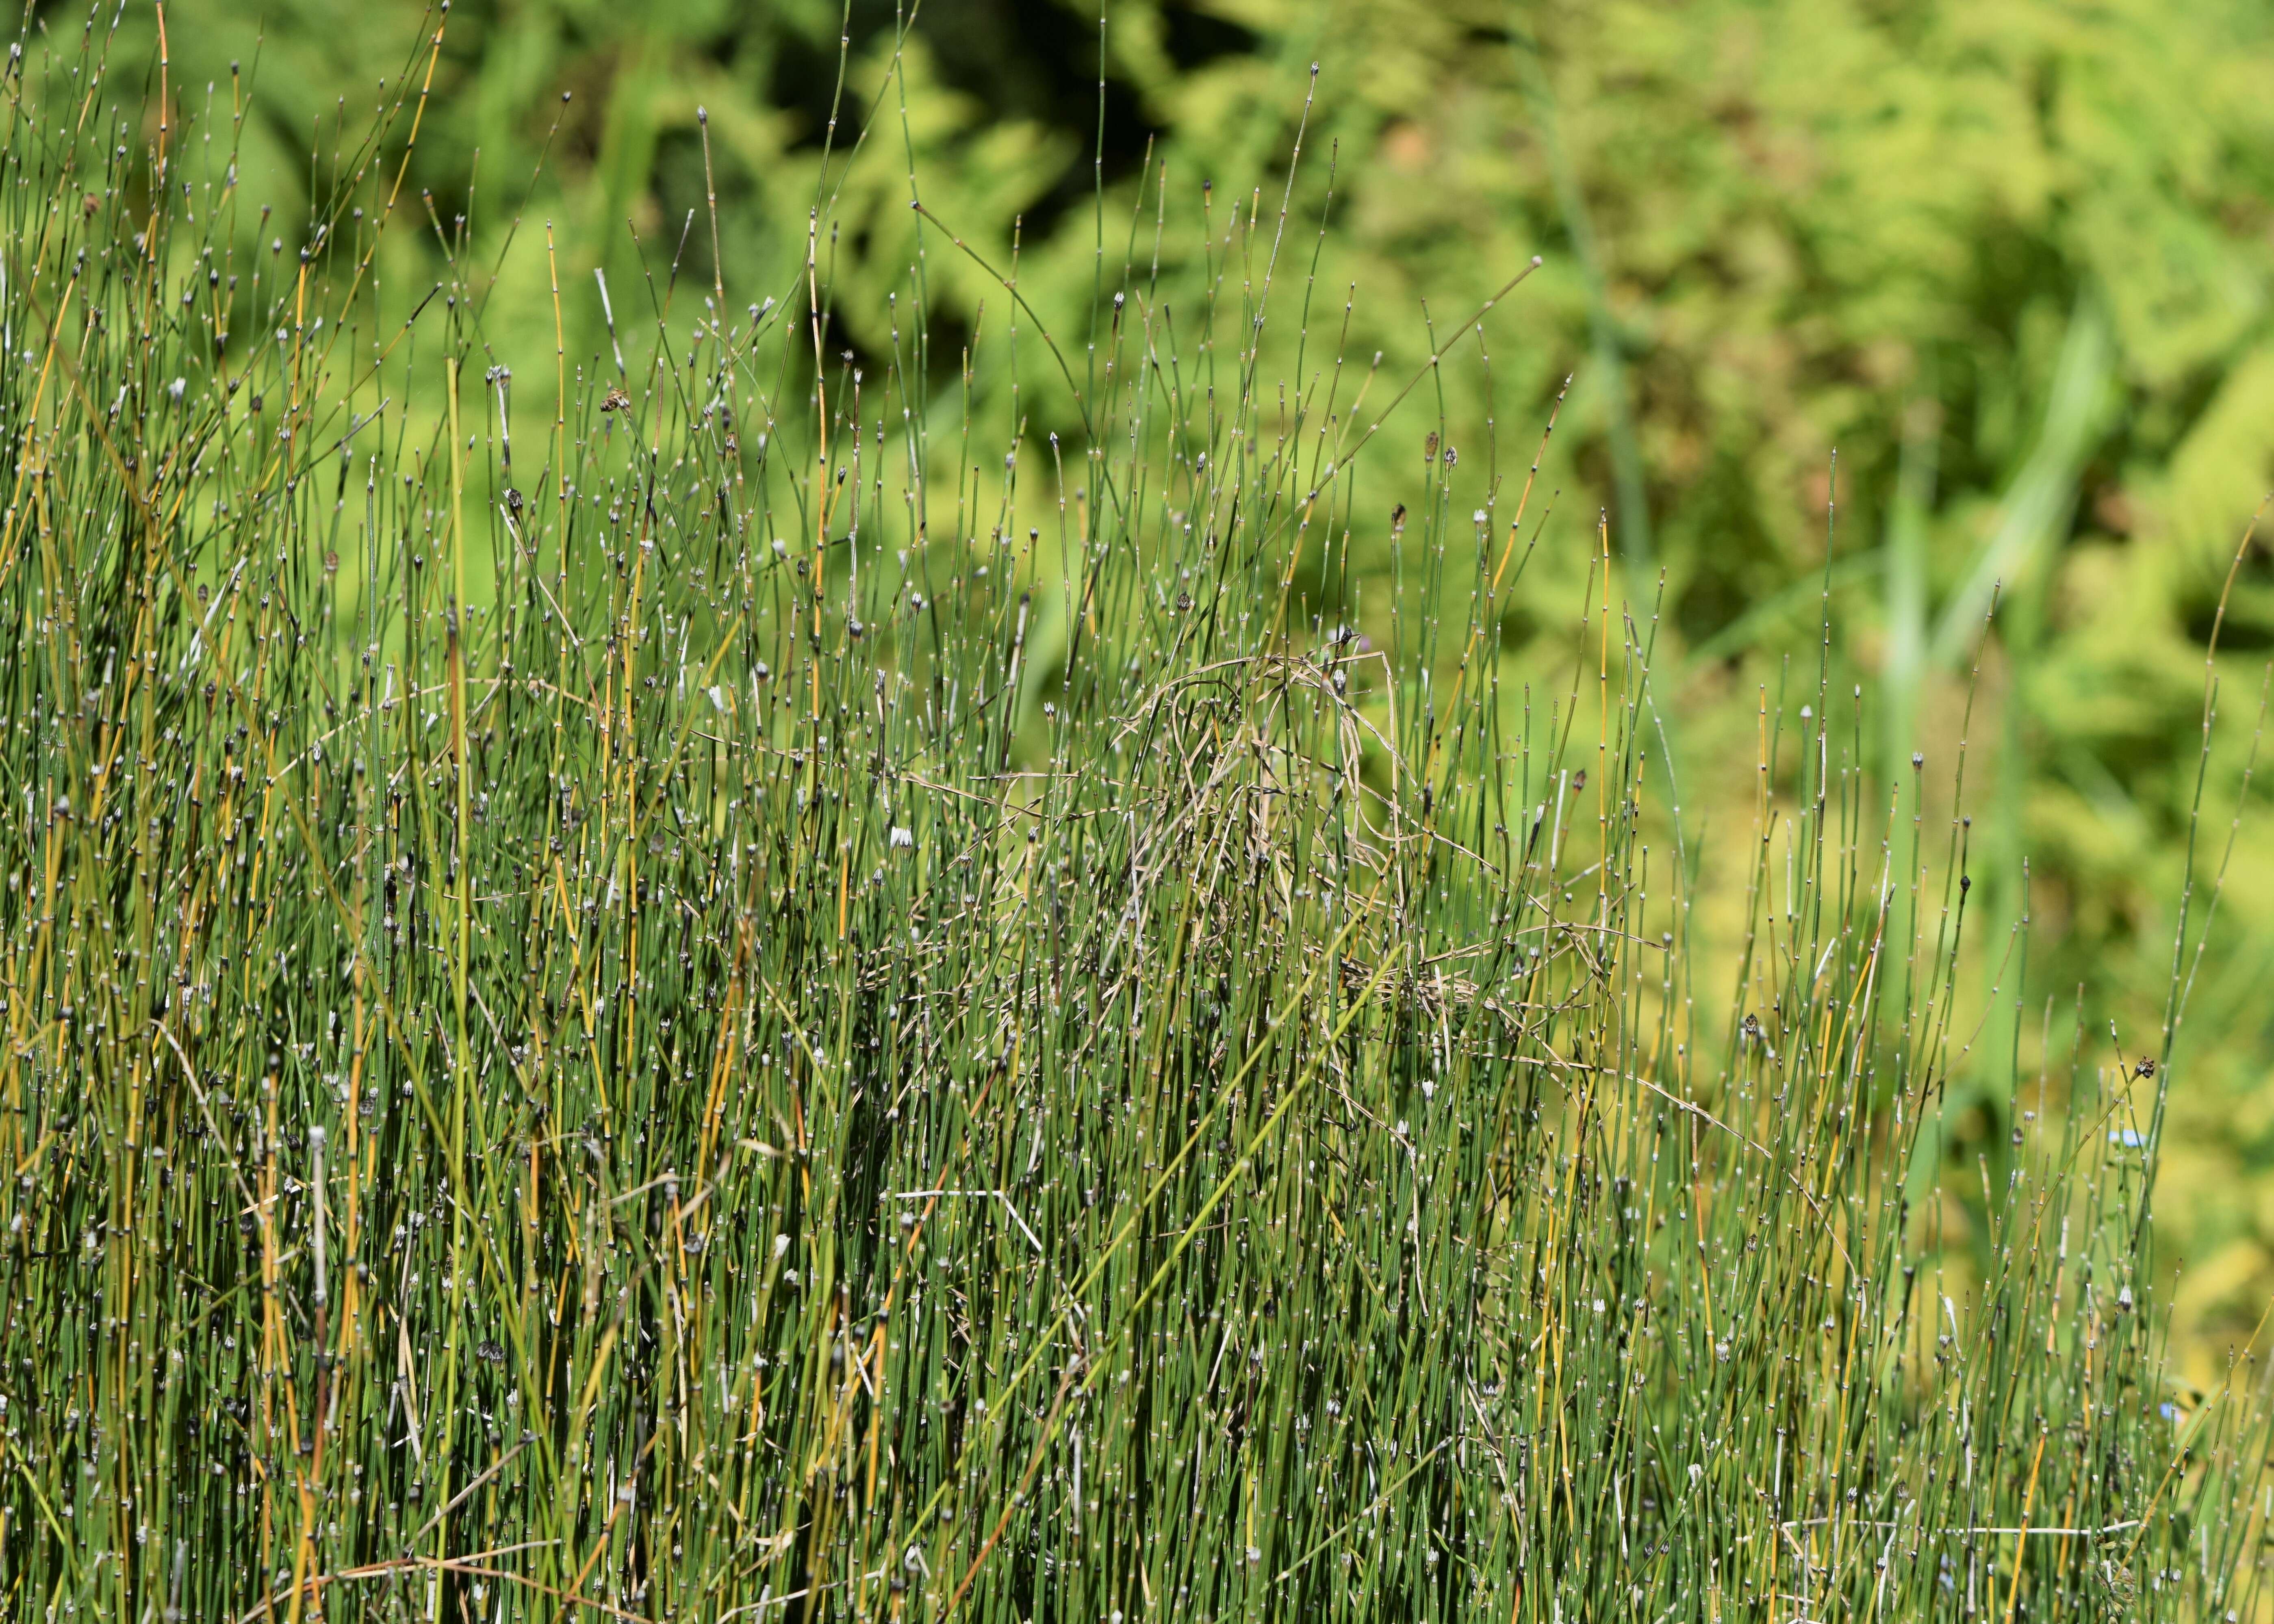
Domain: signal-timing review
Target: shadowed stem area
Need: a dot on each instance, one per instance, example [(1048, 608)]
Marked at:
[(678, 1012)]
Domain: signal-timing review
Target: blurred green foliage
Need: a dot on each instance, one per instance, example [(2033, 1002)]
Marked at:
[(2010, 259)]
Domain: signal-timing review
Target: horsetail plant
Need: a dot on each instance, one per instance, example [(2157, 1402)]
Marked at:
[(771, 993)]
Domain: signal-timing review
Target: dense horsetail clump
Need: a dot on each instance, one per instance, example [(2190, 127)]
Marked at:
[(764, 995)]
